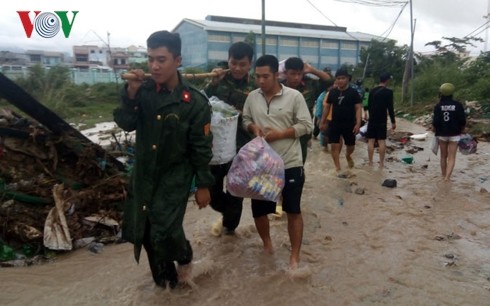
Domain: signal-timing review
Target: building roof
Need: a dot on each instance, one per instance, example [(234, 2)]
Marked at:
[(230, 24)]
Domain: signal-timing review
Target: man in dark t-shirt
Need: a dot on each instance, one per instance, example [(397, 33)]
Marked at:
[(346, 118), (380, 104)]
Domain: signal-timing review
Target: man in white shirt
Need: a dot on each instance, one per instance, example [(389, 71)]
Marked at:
[(281, 116)]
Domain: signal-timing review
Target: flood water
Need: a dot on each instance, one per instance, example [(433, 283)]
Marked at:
[(425, 242)]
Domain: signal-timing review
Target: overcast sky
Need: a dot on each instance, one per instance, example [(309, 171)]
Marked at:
[(131, 22)]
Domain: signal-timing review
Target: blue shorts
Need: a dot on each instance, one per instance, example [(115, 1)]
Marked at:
[(291, 195)]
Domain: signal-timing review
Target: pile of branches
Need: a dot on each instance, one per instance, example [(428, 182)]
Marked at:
[(38, 167)]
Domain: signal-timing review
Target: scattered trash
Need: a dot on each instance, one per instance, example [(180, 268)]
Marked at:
[(467, 144), (96, 247), (51, 178), (360, 191), (391, 183), (419, 136), (407, 159), (450, 256)]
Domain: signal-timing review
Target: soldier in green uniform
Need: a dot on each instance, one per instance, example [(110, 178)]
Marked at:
[(173, 144), (296, 71), (231, 86)]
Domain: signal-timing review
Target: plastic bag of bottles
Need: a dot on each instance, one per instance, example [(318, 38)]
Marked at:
[(257, 172)]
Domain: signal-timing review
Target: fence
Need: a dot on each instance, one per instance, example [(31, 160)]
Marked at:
[(77, 76)]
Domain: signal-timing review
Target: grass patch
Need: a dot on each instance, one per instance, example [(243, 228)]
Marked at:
[(91, 114)]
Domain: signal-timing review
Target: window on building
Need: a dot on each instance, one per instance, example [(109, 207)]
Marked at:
[(285, 56), (310, 59), (348, 60), (329, 60), (36, 58), (237, 38), (217, 55), (81, 57), (271, 41), (329, 44), (219, 38), (289, 42), (349, 46), (310, 43)]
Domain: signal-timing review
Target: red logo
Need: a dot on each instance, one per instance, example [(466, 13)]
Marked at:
[(186, 96)]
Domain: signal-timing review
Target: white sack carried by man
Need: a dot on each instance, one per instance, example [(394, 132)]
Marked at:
[(224, 124)]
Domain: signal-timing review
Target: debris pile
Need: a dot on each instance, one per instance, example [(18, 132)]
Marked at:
[(39, 168)]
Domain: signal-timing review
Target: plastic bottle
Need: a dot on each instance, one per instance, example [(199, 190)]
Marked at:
[(6, 252)]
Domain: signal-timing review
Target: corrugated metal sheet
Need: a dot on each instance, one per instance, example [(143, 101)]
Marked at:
[(209, 25)]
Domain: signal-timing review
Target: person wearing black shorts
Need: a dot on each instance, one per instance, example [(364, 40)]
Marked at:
[(380, 104), (346, 118), (280, 115)]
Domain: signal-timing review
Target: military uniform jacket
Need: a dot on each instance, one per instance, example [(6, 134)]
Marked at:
[(173, 144)]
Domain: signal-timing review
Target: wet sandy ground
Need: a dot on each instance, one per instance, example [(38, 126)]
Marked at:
[(425, 242)]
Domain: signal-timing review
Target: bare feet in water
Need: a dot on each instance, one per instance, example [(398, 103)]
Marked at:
[(184, 272), (350, 162), (293, 263)]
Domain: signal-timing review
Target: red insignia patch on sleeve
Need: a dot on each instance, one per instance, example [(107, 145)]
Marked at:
[(186, 96), (207, 128)]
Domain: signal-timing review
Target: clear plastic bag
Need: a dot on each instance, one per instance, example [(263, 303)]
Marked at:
[(467, 144), (257, 172), (434, 145)]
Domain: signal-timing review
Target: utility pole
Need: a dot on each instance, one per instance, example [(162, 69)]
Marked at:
[(365, 66), (486, 32), (412, 29), (411, 65), (263, 27), (111, 64), (408, 73), (111, 60)]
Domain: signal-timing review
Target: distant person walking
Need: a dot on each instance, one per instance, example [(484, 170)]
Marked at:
[(380, 104), (365, 99), (346, 118), (448, 121)]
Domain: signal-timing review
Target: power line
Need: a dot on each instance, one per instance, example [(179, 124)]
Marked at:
[(319, 11), (355, 38), (394, 23), (486, 23), (386, 3), (487, 27)]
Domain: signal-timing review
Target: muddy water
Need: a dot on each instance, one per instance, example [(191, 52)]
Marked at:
[(425, 242)]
